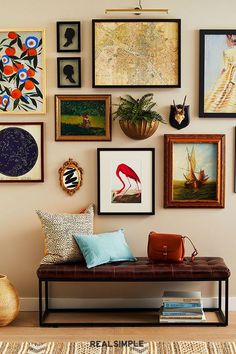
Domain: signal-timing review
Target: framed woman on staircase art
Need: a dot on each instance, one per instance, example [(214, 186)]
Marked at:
[(217, 74), (126, 181)]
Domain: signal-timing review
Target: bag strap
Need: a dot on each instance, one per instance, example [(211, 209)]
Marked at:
[(195, 252)]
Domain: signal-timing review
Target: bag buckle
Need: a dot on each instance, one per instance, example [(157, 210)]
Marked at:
[(165, 251)]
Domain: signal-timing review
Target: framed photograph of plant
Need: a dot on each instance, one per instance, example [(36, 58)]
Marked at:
[(83, 117), (126, 181), (22, 72), (68, 72), (217, 89), (21, 152), (194, 171), (68, 36), (136, 53)]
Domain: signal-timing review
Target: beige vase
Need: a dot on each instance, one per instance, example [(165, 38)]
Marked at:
[(140, 130), (9, 301)]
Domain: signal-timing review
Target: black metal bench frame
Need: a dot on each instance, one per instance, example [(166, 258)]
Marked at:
[(45, 311)]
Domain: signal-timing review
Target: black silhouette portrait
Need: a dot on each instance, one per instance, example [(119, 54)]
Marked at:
[(68, 71), (69, 35)]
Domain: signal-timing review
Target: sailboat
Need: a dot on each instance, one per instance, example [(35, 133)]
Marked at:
[(194, 179)]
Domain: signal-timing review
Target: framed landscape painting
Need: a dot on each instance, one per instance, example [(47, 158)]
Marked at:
[(126, 181), (83, 117), (22, 72), (136, 53), (217, 74), (194, 171), (21, 152)]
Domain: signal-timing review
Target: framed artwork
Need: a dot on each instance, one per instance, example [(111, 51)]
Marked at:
[(126, 181), (68, 36), (22, 72), (68, 72), (21, 152), (194, 171), (217, 93), (136, 53), (70, 176), (83, 117)]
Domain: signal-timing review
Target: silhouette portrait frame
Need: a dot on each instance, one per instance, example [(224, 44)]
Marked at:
[(68, 37), (217, 86), (126, 181), (68, 72), (83, 117), (194, 174)]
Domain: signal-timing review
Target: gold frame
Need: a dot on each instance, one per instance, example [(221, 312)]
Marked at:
[(43, 111), (74, 164), (102, 97), (169, 141)]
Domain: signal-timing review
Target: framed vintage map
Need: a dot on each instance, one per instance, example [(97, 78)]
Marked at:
[(136, 53)]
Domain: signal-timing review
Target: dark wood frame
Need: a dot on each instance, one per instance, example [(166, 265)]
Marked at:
[(152, 211), (67, 164), (169, 140), (235, 160), (59, 76), (202, 113), (59, 137), (177, 21), (41, 150), (59, 50)]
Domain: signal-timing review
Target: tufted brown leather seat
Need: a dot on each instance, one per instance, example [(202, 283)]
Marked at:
[(203, 268)]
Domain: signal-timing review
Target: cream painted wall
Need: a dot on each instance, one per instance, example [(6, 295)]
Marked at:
[(213, 231)]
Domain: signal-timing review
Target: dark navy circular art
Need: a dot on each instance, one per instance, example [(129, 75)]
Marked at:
[(18, 152)]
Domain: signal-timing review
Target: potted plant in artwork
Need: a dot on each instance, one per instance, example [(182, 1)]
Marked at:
[(137, 117)]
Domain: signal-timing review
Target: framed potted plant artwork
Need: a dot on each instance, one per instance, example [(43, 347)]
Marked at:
[(22, 72), (83, 117), (194, 171), (217, 89), (21, 152), (68, 72), (68, 36), (126, 181), (136, 53)]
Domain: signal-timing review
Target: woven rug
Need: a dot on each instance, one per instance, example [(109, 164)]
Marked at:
[(118, 347)]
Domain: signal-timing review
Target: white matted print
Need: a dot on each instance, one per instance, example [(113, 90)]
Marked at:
[(126, 181)]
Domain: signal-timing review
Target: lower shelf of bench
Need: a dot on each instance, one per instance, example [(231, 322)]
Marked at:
[(50, 317), (121, 318)]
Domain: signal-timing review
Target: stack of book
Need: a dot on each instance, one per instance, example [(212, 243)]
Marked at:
[(182, 306)]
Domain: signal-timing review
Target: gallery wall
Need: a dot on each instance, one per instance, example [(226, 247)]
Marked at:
[(212, 230)]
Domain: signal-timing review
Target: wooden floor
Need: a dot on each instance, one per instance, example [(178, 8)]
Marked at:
[(25, 328)]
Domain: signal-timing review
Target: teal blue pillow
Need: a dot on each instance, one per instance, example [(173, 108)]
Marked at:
[(104, 248)]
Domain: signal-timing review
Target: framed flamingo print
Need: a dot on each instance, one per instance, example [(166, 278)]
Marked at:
[(22, 72), (126, 181)]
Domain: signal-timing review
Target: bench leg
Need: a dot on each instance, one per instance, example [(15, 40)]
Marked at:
[(226, 302), (40, 304)]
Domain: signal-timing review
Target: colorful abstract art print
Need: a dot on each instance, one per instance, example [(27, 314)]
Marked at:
[(126, 181), (194, 171), (83, 117), (217, 89), (21, 152), (136, 53), (22, 72)]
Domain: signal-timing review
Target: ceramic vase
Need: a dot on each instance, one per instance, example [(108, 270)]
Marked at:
[(9, 301)]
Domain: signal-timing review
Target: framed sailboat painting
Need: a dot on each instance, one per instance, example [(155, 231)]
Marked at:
[(194, 171)]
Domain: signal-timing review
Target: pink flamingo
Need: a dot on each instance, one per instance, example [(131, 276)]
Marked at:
[(129, 173)]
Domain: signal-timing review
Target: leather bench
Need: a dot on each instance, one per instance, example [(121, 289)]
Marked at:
[(207, 269)]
